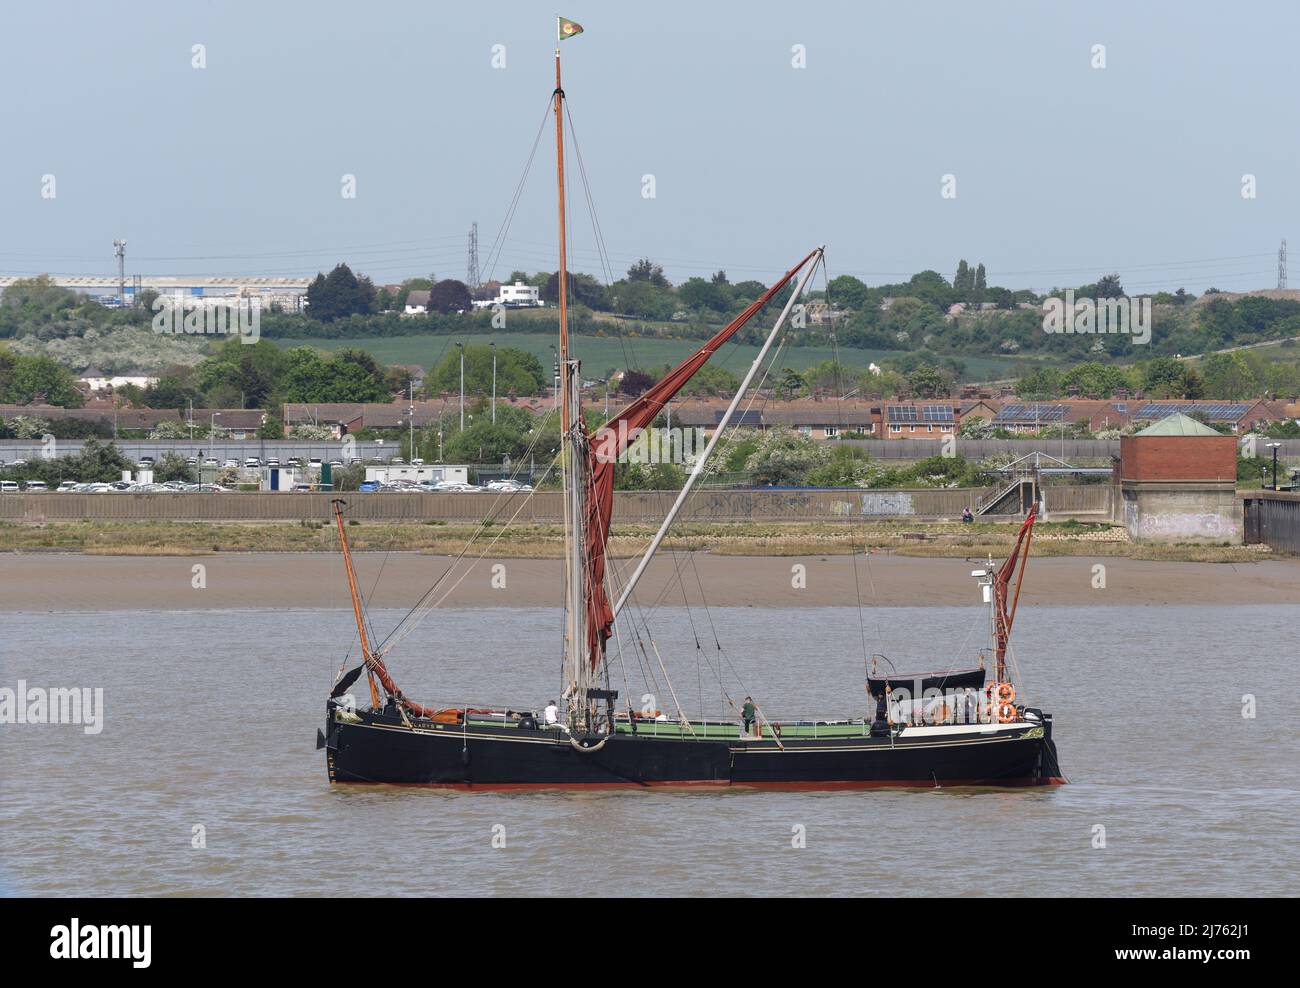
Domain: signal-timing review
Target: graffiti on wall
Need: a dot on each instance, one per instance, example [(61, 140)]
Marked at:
[(887, 503), (1180, 526)]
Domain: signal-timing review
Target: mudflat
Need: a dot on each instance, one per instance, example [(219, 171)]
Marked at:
[(51, 582)]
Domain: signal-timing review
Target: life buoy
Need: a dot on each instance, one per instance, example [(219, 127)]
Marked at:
[(1006, 693), (1006, 714)]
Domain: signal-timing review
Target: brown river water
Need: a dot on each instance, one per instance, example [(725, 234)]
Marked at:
[(210, 719)]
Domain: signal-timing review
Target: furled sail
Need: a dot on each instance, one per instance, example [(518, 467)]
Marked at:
[(1004, 617), (611, 440)]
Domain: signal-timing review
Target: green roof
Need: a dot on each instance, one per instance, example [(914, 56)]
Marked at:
[(1178, 424)]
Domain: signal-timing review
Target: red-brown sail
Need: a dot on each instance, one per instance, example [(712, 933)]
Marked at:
[(1004, 618), (613, 439)]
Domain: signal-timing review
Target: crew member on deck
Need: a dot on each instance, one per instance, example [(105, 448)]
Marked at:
[(747, 713), (551, 715)]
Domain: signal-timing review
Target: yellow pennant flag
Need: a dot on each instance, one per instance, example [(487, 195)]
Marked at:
[(567, 28)]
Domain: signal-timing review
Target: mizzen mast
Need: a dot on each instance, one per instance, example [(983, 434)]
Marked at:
[(1004, 617)]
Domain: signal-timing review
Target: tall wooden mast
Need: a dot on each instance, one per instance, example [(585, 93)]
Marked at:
[(576, 677), (564, 260)]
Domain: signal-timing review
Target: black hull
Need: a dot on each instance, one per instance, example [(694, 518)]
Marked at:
[(379, 750)]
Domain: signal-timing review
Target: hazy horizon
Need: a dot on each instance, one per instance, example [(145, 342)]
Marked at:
[(1063, 171)]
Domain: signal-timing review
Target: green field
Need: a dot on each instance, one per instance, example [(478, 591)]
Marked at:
[(600, 354)]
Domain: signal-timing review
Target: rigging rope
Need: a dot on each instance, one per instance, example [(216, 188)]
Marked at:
[(498, 243)]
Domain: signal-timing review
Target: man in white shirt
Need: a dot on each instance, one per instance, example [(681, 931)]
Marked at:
[(551, 715)]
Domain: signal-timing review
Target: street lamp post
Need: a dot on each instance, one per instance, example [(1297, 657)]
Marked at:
[(462, 386), (494, 382), (555, 377), (212, 432), (1274, 447)]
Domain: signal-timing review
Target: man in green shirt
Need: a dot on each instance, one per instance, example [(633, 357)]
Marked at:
[(747, 713)]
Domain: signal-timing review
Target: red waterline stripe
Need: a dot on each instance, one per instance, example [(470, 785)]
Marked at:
[(721, 783)]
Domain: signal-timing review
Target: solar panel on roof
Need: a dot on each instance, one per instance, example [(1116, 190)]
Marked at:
[(1217, 411), (751, 418), (1030, 414)]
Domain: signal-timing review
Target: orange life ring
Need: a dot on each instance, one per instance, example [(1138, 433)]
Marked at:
[(1006, 714), (1006, 693)]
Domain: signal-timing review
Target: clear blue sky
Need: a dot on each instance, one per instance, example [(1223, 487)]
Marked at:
[(1063, 171)]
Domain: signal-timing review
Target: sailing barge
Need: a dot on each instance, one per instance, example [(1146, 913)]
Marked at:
[(933, 730)]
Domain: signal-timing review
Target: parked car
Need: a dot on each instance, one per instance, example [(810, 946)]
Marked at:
[(252, 463), (211, 462), (368, 486), (66, 486), (35, 486), (8, 487), (302, 488), (273, 463)]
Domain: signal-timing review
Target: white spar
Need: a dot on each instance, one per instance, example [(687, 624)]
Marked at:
[(717, 432)]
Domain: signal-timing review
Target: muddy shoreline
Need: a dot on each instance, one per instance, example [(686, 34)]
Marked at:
[(54, 582)]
